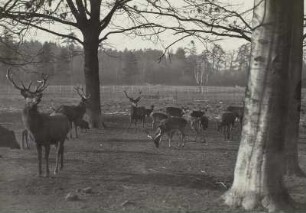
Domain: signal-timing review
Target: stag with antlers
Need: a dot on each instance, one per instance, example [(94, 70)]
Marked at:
[(44, 129), (136, 113), (75, 112)]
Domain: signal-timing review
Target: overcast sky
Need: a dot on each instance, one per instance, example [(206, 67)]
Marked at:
[(121, 42)]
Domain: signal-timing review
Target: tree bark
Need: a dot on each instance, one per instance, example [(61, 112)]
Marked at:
[(296, 61), (92, 81), (258, 176)]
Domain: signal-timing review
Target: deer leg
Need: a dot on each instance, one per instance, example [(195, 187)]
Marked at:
[(76, 130), (58, 147), (24, 138), (70, 129), (47, 151), (39, 153), (183, 138), (62, 155), (131, 120)]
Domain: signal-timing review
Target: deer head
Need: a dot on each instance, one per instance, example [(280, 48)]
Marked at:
[(133, 101), (32, 98), (157, 137), (81, 93)]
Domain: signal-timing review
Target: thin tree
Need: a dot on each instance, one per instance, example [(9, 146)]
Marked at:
[(258, 176)]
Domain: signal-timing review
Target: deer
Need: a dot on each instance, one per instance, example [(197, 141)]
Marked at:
[(136, 113), (44, 128), (226, 124), (157, 117), (149, 111), (174, 111), (75, 112), (8, 138), (169, 127), (196, 119), (238, 111), (82, 124)]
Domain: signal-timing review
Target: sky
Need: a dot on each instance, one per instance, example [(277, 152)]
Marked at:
[(122, 42)]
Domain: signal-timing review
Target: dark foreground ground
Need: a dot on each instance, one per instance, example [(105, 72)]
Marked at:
[(127, 173)]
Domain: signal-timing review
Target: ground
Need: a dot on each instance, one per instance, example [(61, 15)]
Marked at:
[(127, 173)]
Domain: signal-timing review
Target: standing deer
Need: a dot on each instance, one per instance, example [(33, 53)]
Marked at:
[(226, 125), (136, 113), (238, 111), (75, 113), (44, 128), (197, 119), (169, 127)]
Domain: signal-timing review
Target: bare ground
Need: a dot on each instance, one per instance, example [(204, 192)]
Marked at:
[(127, 173)]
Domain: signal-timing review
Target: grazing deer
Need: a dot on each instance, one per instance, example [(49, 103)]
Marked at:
[(136, 113), (46, 129), (75, 113), (226, 124), (157, 117), (169, 127)]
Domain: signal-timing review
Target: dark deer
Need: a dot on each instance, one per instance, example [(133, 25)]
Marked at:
[(197, 121), (238, 111), (226, 125), (75, 112), (44, 128), (136, 113), (174, 111), (84, 125)]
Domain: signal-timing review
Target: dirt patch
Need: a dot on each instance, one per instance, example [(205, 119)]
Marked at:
[(126, 173)]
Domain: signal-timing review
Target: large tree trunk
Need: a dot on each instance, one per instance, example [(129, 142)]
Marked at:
[(296, 61), (258, 176), (92, 81)]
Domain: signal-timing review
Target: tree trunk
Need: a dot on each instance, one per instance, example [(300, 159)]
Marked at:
[(92, 81), (258, 176), (296, 61)]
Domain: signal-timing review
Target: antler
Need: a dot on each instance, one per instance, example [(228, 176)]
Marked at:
[(82, 95), (25, 91), (42, 83), (10, 78), (134, 101)]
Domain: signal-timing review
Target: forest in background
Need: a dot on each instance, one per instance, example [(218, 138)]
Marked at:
[(64, 64)]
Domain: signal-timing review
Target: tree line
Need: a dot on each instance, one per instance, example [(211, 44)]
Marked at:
[(64, 64)]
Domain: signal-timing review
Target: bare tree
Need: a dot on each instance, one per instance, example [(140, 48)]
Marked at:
[(198, 19), (95, 20), (258, 176)]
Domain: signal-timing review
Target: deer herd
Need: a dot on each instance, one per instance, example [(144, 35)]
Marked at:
[(46, 129)]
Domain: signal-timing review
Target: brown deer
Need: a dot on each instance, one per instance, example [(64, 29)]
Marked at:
[(75, 112), (45, 129), (169, 127)]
